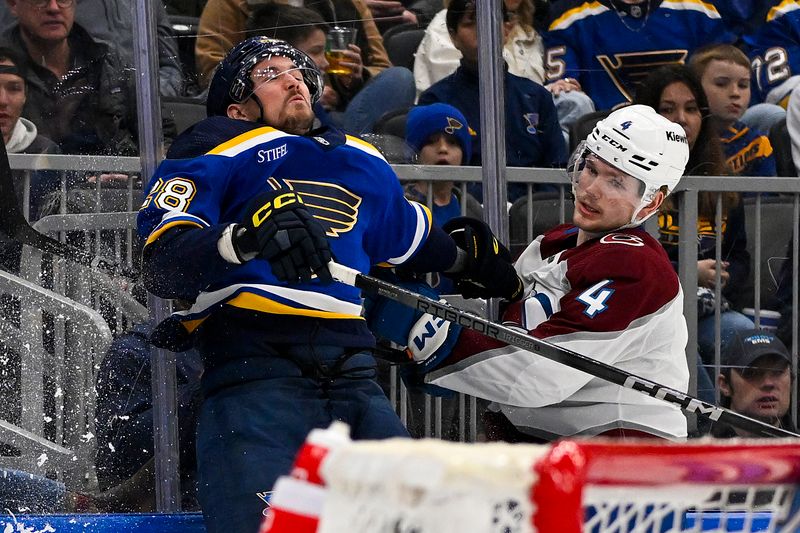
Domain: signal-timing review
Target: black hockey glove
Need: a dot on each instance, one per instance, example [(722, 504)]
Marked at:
[(278, 227), (488, 271)]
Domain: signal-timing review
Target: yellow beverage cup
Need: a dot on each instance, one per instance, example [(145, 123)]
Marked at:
[(336, 43)]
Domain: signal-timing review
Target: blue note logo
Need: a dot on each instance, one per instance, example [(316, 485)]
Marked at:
[(533, 121)]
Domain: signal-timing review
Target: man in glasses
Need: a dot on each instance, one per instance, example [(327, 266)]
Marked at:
[(79, 92), (242, 220)]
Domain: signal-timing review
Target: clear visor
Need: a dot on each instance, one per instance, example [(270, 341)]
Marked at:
[(591, 175), (262, 76)]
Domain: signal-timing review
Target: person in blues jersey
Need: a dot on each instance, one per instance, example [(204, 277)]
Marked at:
[(773, 47), (724, 72), (601, 287), (242, 219), (606, 47)]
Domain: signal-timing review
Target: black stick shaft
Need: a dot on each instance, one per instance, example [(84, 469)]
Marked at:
[(555, 353)]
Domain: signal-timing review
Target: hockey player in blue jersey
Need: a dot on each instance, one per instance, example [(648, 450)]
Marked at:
[(242, 219), (609, 46)]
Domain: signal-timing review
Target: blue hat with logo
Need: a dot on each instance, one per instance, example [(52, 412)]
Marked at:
[(747, 346), (425, 121)]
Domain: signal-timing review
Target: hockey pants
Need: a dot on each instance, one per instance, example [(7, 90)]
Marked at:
[(249, 433)]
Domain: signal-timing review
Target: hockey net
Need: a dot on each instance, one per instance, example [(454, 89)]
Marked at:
[(598, 486)]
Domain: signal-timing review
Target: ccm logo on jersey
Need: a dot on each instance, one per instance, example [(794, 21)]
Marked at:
[(282, 200), (621, 238), (265, 156)]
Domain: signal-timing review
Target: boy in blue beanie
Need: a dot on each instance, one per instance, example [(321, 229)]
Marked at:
[(440, 135)]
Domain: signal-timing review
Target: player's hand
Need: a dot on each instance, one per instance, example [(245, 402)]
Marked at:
[(488, 271), (278, 227), (426, 339)]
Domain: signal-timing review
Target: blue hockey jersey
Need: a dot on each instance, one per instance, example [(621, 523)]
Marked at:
[(609, 47), (747, 152), (774, 50), (344, 182)]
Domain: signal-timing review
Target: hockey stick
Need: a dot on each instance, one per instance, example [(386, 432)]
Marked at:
[(555, 353), (14, 225)]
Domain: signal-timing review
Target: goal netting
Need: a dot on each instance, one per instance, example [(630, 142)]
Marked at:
[(424, 486)]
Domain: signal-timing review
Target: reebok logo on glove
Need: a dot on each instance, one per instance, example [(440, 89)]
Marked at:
[(280, 201)]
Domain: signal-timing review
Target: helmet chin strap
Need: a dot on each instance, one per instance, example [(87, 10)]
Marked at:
[(255, 99)]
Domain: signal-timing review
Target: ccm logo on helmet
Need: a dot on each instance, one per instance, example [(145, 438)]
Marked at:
[(672, 136), (613, 143)]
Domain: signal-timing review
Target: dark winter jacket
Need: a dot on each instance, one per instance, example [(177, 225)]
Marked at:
[(111, 22), (92, 109)]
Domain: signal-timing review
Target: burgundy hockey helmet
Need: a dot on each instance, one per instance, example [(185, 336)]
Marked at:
[(232, 82)]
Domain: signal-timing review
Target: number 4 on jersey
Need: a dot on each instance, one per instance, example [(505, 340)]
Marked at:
[(595, 298)]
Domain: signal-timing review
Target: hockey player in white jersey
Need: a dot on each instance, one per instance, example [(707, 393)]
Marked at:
[(602, 287)]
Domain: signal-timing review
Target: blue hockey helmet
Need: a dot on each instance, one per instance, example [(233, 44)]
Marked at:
[(232, 82)]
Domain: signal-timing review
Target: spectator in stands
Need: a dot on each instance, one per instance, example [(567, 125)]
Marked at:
[(111, 22), (609, 47), (782, 301), (756, 381), (223, 22), (440, 134), (793, 125), (353, 102), (675, 92), (20, 135), (80, 93), (125, 421), (724, 73), (773, 46), (533, 135), (438, 57)]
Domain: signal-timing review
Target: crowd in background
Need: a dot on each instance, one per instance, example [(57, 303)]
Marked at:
[(726, 71)]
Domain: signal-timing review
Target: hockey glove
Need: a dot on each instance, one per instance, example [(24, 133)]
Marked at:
[(278, 227), (488, 271), (426, 339)]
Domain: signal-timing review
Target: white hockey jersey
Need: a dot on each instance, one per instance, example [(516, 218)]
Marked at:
[(616, 299)]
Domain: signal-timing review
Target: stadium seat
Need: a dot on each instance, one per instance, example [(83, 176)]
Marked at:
[(583, 126), (392, 123), (776, 230), (401, 43), (782, 149), (545, 214), (184, 111)]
